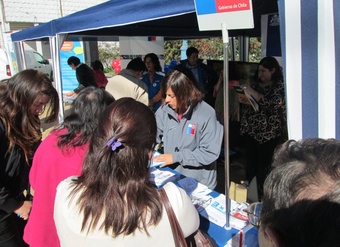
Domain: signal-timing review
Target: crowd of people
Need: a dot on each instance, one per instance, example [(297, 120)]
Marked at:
[(59, 156), (90, 176), (23, 98)]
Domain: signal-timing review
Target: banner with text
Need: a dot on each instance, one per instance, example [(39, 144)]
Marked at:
[(68, 75), (236, 14), (132, 47)]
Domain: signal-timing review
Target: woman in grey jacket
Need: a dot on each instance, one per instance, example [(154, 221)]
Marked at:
[(188, 127)]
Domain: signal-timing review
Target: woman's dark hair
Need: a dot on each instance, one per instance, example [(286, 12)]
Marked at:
[(83, 117), (114, 185), (154, 60), (271, 63), (185, 87), (97, 65), (17, 95)]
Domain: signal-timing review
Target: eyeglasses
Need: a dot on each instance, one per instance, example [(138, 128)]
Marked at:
[(254, 211)]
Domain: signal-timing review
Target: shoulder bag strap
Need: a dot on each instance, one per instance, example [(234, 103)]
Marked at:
[(175, 227)]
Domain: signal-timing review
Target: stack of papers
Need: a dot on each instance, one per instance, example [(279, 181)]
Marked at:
[(161, 177), (214, 208)]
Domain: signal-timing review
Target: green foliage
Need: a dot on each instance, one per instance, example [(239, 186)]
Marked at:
[(109, 70), (172, 50), (210, 48), (255, 50), (108, 51)]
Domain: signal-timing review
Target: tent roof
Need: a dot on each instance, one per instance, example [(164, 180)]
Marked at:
[(139, 18)]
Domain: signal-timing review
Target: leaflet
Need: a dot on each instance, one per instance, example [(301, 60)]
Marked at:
[(160, 177), (153, 163), (214, 209), (250, 98)]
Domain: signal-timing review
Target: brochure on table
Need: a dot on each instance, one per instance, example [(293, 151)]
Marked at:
[(211, 206), (214, 208)]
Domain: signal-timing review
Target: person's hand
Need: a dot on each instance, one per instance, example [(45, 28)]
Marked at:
[(256, 95), (24, 210), (166, 158), (243, 99), (216, 88), (248, 89), (218, 84), (71, 94)]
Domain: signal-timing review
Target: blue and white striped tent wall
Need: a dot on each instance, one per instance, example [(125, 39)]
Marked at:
[(310, 38)]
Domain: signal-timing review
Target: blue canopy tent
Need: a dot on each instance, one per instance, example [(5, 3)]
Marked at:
[(37, 32), (166, 18), (310, 46), (309, 40), (132, 18), (138, 18)]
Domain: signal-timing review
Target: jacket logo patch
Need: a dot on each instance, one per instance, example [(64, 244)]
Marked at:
[(191, 129)]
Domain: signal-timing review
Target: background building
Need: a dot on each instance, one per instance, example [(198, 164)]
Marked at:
[(21, 14)]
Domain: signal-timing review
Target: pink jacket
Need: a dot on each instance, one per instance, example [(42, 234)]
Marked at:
[(50, 167)]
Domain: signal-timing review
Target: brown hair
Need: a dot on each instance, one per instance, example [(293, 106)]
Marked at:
[(17, 95), (185, 87), (116, 183)]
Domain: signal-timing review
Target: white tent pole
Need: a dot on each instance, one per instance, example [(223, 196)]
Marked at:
[(54, 46), (225, 38), (22, 56)]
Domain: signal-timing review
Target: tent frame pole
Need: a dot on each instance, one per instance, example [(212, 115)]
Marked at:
[(225, 38)]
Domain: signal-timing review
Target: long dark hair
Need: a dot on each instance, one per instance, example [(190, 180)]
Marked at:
[(185, 87), (154, 60), (271, 63), (116, 183), (83, 117), (17, 95), (97, 66)]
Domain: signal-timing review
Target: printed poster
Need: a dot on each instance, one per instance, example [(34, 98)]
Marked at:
[(68, 75), (132, 47)]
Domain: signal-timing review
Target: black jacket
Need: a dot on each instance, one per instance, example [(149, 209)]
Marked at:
[(14, 172), (85, 77)]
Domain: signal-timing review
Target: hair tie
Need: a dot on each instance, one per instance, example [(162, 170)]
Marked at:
[(113, 143)]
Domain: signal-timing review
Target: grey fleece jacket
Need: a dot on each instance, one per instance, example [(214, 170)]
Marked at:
[(195, 141)]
